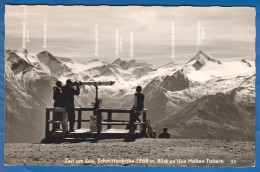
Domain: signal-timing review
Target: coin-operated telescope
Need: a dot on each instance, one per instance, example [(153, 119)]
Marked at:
[(97, 102)]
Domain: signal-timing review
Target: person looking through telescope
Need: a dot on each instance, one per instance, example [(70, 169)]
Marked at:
[(68, 93)]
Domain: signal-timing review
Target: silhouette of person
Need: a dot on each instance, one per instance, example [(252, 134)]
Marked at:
[(138, 105), (165, 134), (68, 94), (139, 102), (58, 102)]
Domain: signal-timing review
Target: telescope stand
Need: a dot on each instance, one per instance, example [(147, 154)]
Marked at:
[(97, 113)]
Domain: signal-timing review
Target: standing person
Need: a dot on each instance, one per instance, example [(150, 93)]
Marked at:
[(139, 102), (69, 92), (58, 102), (138, 105)]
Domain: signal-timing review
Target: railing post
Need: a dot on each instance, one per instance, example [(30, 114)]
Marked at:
[(131, 123), (109, 119), (99, 119), (64, 120), (98, 114), (144, 125), (47, 126), (79, 119)]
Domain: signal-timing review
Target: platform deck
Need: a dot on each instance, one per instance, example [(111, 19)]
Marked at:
[(112, 130), (97, 121)]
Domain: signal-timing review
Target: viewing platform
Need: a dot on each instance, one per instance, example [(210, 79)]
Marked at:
[(97, 119)]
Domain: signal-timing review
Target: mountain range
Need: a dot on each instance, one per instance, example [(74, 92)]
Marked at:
[(203, 98)]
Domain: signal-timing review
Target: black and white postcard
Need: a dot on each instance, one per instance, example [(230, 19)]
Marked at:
[(130, 85)]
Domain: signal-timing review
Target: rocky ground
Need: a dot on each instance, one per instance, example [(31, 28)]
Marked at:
[(142, 152)]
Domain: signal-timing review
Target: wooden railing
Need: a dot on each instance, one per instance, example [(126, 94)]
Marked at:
[(98, 112)]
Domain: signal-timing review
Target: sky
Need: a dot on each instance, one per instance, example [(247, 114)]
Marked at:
[(104, 32)]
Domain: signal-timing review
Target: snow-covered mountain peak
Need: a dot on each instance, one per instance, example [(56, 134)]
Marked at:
[(17, 63), (118, 61), (201, 59), (125, 65), (17, 54), (202, 55), (46, 56), (202, 68), (22, 51), (56, 67), (122, 64)]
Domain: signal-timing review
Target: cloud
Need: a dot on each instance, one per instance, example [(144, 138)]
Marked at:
[(70, 29)]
